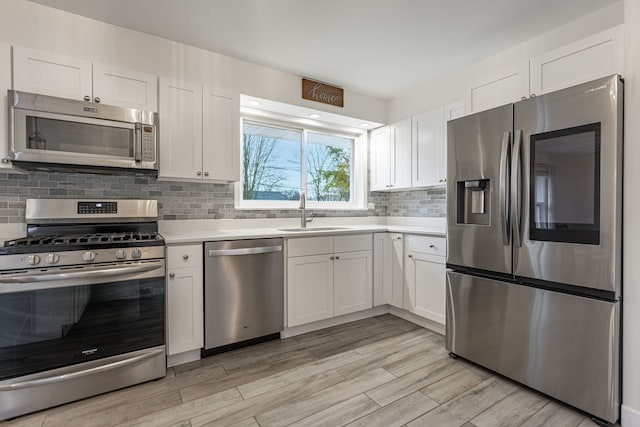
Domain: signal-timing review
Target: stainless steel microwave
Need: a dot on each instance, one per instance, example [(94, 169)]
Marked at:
[(48, 133)]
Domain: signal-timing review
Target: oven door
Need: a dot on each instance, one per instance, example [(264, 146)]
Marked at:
[(57, 318)]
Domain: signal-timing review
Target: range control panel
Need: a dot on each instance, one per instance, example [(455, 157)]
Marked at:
[(97, 208)]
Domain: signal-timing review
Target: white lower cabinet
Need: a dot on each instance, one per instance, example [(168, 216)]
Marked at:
[(310, 289), (388, 277), (185, 312), (425, 277), (352, 282), (328, 277)]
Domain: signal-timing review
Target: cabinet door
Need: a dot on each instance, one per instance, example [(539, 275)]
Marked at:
[(382, 248), (126, 88), (401, 154), (185, 324), (353, 282), (380, 159), (505, 86), (221, 135), (309, 289), (395, 296), (180, 130), (5, 84), (51, 74), (426, 281), (599, 55), (428, 149)]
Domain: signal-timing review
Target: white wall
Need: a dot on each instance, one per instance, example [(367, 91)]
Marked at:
[(32, 25), (631, 226), (452, 86)]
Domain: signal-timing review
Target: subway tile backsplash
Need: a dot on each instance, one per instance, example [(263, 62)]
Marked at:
[(186, 200)]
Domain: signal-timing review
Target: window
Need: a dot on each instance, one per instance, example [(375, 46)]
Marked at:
[(279, 161)]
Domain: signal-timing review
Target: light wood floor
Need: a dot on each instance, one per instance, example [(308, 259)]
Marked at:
[(381, 371)]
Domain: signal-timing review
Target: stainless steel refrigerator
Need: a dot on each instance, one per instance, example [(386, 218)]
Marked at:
[(534, 218)]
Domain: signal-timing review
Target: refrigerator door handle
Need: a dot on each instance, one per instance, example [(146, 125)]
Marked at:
[(515, 189), (504, 192)]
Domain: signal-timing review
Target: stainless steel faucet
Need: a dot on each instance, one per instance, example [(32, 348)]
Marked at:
[(303, 207)]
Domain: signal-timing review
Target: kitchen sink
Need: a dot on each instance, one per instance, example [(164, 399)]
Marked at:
[(313, 229)]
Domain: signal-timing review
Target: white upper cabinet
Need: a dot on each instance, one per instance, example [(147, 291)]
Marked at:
[(126, 88), (221, 135), (498, 88), (401, 154), (391, 157), (380, 159), (199, 133), (428, 149), (180, 129), (5, 84), (52, 74), (599, 55)]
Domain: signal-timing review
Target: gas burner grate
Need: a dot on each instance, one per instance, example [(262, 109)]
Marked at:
[(84, 239)]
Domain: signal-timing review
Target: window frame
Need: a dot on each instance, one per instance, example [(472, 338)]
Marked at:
[(358, 169)]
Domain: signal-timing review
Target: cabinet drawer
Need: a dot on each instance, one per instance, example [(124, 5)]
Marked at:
[(184, 256), (351, 243), (310, 246), (426, 244)]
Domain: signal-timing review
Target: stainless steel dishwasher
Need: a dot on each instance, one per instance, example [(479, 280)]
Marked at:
[(243, 292)]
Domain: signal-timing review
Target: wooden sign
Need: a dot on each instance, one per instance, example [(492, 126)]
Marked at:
[(320, 92)]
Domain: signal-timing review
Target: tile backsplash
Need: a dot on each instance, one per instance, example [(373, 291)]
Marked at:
[(186, 200)]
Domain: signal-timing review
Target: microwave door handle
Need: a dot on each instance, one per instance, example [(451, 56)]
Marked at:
[(504, 188), (137, 143), (515, 190)]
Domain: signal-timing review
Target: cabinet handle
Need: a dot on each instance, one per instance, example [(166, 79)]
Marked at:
[(172, 275), (331, 258), (410, 256), (206, 174), (337, 257), (185, 257), (96, 99), (87, 98), (523, 98), (399, 238), (432, 246), (533, 95), (199, 173)]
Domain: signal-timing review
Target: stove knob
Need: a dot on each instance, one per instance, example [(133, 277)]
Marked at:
[(120, 254), (136, 253), (53, 258), (89, 256), (33, 259)]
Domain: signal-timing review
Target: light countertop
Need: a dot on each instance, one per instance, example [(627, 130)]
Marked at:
[(197, 231)]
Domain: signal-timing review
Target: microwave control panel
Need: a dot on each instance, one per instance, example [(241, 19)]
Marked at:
[(148, 144)]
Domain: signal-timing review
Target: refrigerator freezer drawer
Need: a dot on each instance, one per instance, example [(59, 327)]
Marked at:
[(563, 345)]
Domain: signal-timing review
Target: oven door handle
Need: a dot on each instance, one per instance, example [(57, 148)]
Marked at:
[(82, 373), (98, 272)]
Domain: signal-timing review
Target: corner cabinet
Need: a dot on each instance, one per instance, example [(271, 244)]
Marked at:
[(388, 269), (328, 277), (53, 74), (425, 277), (185, 310), (199, 132)]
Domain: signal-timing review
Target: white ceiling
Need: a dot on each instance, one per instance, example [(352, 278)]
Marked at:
[(381, 48)]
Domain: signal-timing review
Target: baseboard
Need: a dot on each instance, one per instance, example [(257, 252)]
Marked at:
[(182, 358), (334, 321), (420, 321), (629, 417)]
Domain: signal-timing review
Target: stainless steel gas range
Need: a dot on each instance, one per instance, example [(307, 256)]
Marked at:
[(82, 302)]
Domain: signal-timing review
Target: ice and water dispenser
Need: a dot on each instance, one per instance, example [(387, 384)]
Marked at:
[(474, 201)]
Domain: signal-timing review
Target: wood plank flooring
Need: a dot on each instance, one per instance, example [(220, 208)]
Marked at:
[(381, 371)]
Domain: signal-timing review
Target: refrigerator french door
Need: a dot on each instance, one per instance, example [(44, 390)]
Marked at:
[(534, 242)]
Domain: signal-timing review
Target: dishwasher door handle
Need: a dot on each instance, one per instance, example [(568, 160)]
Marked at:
[(245, 251)]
